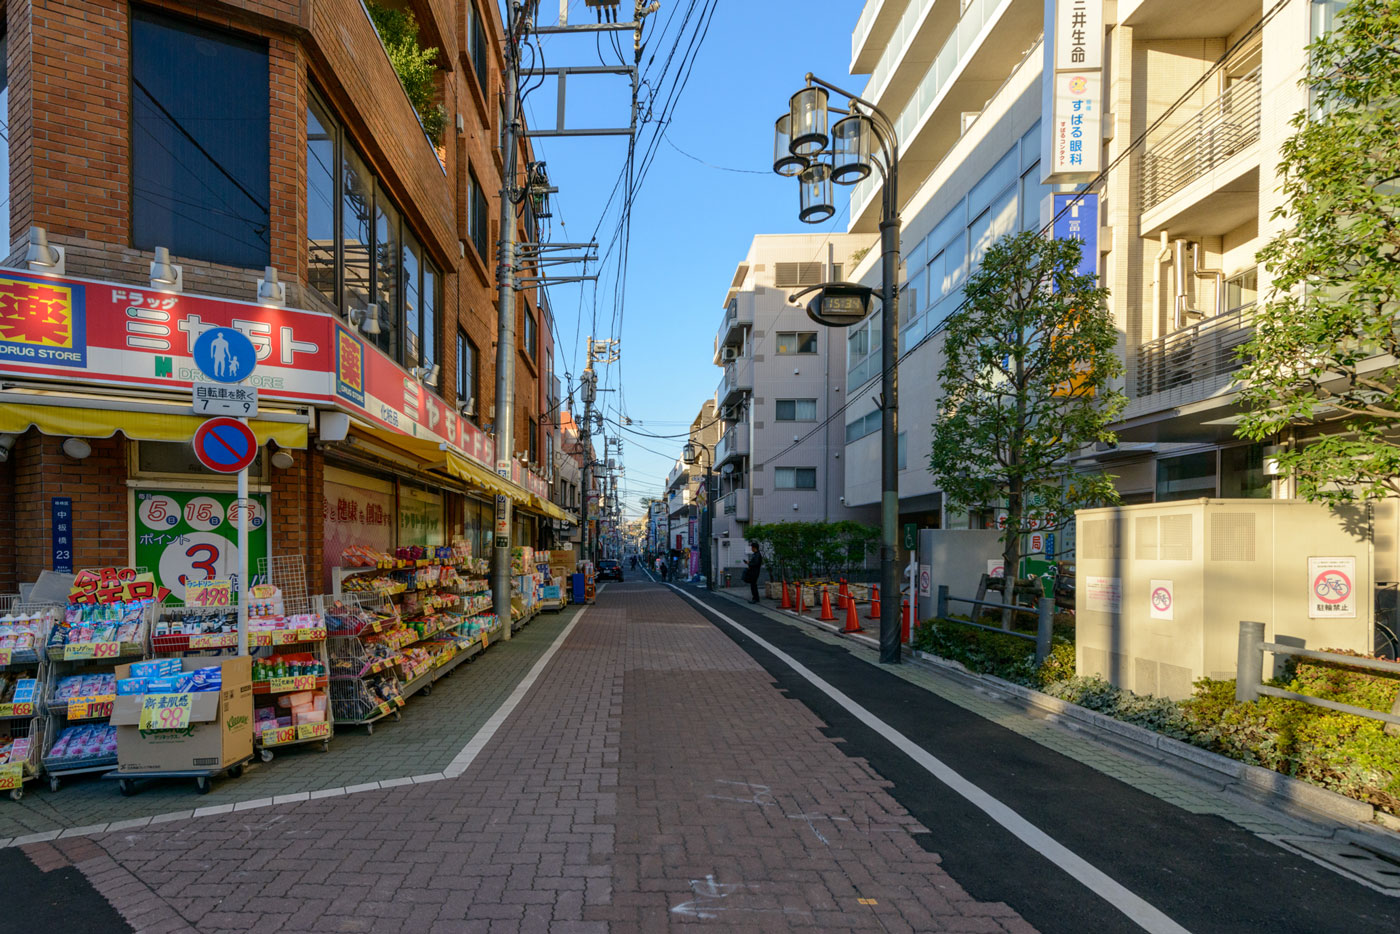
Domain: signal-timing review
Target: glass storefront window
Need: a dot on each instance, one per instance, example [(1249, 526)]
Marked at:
[(1189, 476), (1242, 473)]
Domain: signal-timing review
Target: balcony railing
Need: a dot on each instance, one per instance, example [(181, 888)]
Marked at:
[(1195, 353), (1222, 128), (733, 443)]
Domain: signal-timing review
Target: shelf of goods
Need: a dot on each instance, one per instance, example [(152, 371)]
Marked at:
[(526, 585), (394, 632), (23, 679), (85, 644), (291, 702)]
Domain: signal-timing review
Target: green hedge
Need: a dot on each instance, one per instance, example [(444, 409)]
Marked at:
[(1348, 754)]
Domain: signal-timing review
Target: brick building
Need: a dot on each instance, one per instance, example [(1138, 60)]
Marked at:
[(239, 136)]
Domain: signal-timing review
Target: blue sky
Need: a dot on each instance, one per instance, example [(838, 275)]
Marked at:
[(691, 222)]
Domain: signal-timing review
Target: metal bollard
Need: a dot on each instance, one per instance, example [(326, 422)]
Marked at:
[(1249, 666), (1045, 625), (941, 610)]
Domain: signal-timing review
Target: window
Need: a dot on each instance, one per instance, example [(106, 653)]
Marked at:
[(532, 442), (478, 215), (476, 44), (795, 478), (786, 275), (1242, 290), (199, 142), (320, 202), (527, 334), (466, 373), (4, 136), (796, 410), (1242, 473), (866, 425), (360, 251), (1189, 476), (791, 342)]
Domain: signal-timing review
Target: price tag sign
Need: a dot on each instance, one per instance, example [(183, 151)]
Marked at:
[(165, 712), (5, 656), (11, 776), (313, 731), (298, 683), (279, 736), (483, 640), (382, 707), (84, 650), (209, 593), (217, 640), (23, 709), (87, 708)]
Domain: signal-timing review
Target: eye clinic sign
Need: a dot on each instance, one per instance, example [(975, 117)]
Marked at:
[(1072, 148)]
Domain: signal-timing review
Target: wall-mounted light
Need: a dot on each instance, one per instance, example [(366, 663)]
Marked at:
[(270, 291), (77, 448), (165, 275), (427, 375), (6, 443), (41, 257), (283, 460), (366, 319)]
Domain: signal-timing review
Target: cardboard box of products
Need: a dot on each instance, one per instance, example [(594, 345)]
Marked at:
[(220, 731), (564, 558)]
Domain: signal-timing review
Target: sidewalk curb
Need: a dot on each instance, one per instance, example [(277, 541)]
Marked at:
[(1355, 821)]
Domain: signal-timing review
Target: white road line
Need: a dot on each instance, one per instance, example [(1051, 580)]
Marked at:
[(1136, 908), (460, 763)]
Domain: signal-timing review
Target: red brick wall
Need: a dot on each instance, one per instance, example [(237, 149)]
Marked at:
[(97, 485), (297, 525)]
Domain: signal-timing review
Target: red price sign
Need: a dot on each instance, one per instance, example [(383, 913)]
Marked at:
[(209, 593), (277, 737), (24, 709), (11, 776), (82, 650), (5, 656), (86, 708), (216, 640), (296, 683), (313, 731)]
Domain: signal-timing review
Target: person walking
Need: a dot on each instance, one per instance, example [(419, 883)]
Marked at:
[(751, 569)]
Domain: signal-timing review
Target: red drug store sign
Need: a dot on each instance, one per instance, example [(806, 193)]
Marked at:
[(101, 333)]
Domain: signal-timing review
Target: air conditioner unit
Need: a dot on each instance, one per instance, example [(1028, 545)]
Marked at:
[(729, 354), (969, 117)]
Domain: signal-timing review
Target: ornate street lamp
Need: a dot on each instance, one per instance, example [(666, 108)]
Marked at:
[(690, 454), (861, 141)]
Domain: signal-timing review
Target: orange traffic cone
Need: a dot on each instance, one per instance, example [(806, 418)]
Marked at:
[(843, 596), (787, 599), (827, 616), (852, 617), (874, 602)]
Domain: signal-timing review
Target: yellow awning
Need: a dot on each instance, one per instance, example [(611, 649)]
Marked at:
[(75, 422), (552, 510), (478, 475)]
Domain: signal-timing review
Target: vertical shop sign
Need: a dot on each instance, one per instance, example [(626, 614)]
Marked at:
[(1072, 150), (183, 537), (61, 520)]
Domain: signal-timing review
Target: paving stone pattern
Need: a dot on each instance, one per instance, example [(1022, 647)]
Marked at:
[(653, 778), (433, 729)]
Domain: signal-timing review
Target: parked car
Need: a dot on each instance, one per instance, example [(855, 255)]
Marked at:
[(609, 569)]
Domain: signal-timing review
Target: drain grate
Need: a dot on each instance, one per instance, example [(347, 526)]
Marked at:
[(1365, 866)]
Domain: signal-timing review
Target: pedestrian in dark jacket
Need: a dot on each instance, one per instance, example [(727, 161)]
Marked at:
[(754, 565)]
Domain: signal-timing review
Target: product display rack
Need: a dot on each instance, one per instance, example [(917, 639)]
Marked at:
[(21, 722), (364, 685), (88, 660), (308, 643)]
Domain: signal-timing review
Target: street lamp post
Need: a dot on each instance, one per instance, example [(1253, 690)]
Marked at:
[(804, 148), (690, 454)]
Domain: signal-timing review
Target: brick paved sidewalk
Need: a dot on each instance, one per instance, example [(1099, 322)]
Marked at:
[(654, 777)]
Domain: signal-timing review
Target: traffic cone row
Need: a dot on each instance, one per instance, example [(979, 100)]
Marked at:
[(874, 602), (827, 615), (852, 616), (787, 600)]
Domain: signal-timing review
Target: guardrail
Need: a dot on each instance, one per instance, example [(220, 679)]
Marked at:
[(1044, 614), (1216, 132), (1249, 675)]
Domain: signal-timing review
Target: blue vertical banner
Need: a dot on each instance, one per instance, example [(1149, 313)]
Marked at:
[(61, 519), (1077, 218)]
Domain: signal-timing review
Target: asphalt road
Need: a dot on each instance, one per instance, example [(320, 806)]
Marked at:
[(1203, 872)]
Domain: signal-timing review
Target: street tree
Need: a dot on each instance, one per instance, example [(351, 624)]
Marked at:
[(1328, 334), (1029, 360)]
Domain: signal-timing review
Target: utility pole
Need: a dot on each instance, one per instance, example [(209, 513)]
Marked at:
[(604, 352), (505, 330)]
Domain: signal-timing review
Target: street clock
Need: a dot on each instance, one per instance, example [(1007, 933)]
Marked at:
[(837, 304)]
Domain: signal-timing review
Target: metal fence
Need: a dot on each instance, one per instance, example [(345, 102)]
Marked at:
[(1197, 352), (1044, 614), (1249, 675), (1219, 130)]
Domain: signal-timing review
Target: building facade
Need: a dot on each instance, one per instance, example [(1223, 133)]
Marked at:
[(238, 137), (1171, 228), (779, 457)]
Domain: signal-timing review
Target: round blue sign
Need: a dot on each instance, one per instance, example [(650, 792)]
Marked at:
[(225, 355)]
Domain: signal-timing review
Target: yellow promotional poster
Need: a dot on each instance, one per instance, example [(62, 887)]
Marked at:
[(165, 712)]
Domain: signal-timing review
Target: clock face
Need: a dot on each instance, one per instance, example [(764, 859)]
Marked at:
[(842, 304)]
